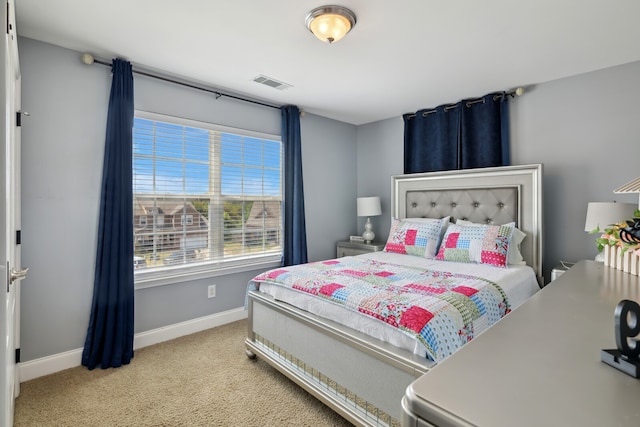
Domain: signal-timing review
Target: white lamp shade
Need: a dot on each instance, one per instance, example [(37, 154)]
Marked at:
[(369, 206), (602, 214)]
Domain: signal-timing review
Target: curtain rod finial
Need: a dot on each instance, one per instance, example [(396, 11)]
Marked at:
[(519, 91), (87, 58)]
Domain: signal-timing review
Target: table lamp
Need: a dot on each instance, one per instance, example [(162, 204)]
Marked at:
[(368, 206)]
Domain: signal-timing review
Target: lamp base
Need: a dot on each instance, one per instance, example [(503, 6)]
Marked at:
[(368, 234)]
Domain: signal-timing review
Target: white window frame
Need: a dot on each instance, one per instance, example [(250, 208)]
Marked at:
[(186, 219), (145, 278)]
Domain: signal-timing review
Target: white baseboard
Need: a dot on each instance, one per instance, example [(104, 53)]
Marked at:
[(72, 358)]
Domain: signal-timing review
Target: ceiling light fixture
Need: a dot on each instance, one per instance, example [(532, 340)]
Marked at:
[(330, 23)]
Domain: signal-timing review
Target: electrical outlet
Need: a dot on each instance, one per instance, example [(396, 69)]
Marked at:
[(211, 291)]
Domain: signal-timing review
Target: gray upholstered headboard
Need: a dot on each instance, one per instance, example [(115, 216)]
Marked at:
[(488, 195), (485, 205)]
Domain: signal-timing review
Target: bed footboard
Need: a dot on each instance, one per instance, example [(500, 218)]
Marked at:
[(361, 378)]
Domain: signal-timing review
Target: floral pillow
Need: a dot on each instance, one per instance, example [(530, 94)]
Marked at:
[(483, 244), (415, 237), (514, 256)]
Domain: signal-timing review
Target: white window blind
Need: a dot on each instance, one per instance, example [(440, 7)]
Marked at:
[(210, 194)]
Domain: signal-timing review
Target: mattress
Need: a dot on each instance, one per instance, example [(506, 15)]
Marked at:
[(518, 283)]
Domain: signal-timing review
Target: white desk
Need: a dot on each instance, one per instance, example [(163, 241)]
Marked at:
[(548, 370)]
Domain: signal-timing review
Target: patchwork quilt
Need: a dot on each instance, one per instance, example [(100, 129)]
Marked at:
[(442, 310)]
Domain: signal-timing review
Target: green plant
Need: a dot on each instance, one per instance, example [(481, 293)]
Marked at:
[(624, 235)]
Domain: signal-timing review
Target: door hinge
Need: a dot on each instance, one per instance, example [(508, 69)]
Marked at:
[(18, 237), (17, 355)]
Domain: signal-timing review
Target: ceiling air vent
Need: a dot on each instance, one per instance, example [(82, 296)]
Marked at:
[(268, 81)]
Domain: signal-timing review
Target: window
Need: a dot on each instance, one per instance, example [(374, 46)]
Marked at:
[(212, 194), (186, 219)]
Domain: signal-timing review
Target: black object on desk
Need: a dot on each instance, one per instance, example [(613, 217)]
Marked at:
[(626, 357)]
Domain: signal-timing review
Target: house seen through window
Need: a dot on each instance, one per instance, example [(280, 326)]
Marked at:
[(203, 195)]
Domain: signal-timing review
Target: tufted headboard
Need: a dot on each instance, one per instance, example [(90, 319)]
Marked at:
[(487, 195)]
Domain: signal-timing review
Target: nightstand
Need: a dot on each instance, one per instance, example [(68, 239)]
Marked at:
[(559, 269), (348, 248)]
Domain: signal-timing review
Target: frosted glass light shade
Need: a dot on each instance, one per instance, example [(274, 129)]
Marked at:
[(602, 214), (330, 23)]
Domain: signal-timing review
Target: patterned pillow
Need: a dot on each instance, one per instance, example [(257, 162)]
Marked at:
[(483, 244), (420, 238), (514, 256)]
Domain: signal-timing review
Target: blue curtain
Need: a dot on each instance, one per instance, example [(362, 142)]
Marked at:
[(431, 140), (469, 134), (109, 341), (484, 132), (295, 234)]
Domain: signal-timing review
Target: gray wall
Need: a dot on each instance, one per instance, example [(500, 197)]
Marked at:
[(380, 155), (329, 169), (585, 130), (63, 143)]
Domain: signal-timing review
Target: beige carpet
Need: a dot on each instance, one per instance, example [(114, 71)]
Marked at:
[(203, 379)]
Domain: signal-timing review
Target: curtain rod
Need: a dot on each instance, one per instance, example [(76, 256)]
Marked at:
[(519, 91), (89, 59)]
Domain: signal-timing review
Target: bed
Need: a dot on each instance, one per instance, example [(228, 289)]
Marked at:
[(361, 365)]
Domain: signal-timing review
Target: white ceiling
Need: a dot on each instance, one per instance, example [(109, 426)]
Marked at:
[(401, 56)]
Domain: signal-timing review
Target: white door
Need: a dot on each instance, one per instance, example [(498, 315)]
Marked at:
[(10, 265)]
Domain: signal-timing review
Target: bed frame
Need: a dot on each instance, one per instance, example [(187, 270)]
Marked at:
[(362, 378)]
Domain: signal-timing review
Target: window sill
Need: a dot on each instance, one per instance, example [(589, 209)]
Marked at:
[(174, 275)]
